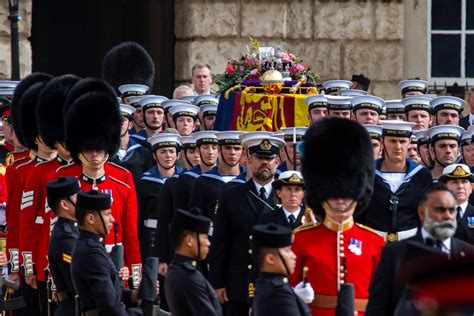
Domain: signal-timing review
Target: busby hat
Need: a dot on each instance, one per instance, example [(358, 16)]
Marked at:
[(22, 86), (128, 63), (93, 201), (60, 188), (28, 124), (361, 79), (93, 121), (191, 220), (271, 236), (49, 111), (346, 170)]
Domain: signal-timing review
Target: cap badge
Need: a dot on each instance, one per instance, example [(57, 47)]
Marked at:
[(459, 172), (265, 145), (294, 178)]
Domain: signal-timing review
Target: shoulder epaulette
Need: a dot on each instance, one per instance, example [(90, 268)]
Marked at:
[(117, 180), (306, 227), (369, 229), (16, 161), (118, 166)]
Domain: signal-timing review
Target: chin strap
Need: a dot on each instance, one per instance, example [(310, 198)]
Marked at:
[(89, 164), (63, 152), (202, 160), (199, 246), (284, 262), (43, 147), (327, 207)]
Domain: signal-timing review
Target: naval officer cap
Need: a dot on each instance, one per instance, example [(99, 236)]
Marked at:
[(288, 178), (61, 188), (370, 102), (334, 86), (187, 142), (421, 137), (164, 140), (127, 110), (204, 99), (353, 93), (271, 236), (413, 85), (394, 107), (208, 109), (191, 220), (456, 171), (229, 138), (397, 128), (374, 131), (294, 133), (205, 137), (279, 135), (184, 109), (152, 101), (417, 103), (447, 103), (131, 90), (316, 101), (262, 145), (438, 132), (339, 103)]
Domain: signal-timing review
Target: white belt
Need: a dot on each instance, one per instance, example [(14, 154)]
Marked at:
[(151, 223), (391, 237), (108, 247)]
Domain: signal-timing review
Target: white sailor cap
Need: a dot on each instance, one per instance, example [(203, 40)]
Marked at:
[(290, 133), (332, 86), (336, 102), (417, 103), (413, 85), (184, 109), (6, 93), (374, 131), (438, 132), (187, 142), (394, 107), (396, 128), (152, 101), (208, 109), (126, 109), (205, 137), (447, 102), (367, 102), (203, 99), (456, 171), (353, 93), (189, 98), (169, 103), (8, 85), (316, 101), (229, 138), (279, 135), (421, 136), (135, 100), (162, 140), (263, 146), (129, 90), (466, 137)]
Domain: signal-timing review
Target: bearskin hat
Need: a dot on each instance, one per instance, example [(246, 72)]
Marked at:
[(337, 163), (27, 122), (128, 62), (49, 111), (22, 86), (85, 86), (93, 122)]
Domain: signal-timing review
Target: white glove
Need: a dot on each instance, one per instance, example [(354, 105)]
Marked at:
[(305, 292)]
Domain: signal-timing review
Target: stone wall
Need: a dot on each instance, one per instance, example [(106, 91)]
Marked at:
[(337, 38), (25, 46)]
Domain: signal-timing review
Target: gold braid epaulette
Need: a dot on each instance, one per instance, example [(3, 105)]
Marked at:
[(306, 227), (369, 229)]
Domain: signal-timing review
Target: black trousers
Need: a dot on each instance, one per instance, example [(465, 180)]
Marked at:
[(237, 309)]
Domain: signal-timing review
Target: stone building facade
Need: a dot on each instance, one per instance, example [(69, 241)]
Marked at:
[(385, 40)]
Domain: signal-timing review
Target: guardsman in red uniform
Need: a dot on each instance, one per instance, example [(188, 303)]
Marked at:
[(35, 214), (90, 148), (336, 250), (25, 125)]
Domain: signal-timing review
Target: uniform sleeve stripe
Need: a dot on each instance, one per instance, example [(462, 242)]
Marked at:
[(28, 193), (25, 205), (67, 258)]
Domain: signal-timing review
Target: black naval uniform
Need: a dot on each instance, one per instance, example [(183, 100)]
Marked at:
[(165, 213), (188, 292), (274, 296), (465, 230), (61, 245), (230, 259), (137, 160), (279, 217), (95, 277), (184, 187)]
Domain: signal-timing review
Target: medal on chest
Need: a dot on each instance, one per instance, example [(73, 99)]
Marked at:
[(470, 221), (355, 246)]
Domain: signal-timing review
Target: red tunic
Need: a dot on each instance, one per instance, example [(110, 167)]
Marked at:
[(36, 215), (124, 206), (355, 261)]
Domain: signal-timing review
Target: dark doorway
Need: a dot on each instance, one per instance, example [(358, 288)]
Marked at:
[(73, 36)]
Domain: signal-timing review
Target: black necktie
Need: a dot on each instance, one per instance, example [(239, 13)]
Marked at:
[(291, 220), (438, 244), (458, 214), (263, 194)]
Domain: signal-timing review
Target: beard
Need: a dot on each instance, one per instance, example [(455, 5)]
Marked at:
[(441, 230), (263, 174)]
